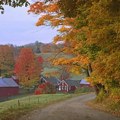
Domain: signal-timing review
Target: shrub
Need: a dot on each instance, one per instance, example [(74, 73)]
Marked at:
[(101, 96), (115, 94), (114, 99), (49, 89), (45, 88)]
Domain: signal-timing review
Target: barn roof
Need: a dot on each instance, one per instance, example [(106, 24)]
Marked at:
[(52, 80), (14, 77), (8, 82), (83, 81), (73, 82)]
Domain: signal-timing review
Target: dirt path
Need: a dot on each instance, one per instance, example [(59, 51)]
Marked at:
[(72, 109)]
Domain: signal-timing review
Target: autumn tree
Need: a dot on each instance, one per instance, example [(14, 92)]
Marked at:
[(97, 39), (27, 68), (64, 72), (92, 31), (6, 60)]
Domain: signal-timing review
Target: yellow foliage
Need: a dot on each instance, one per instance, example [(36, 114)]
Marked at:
[(55, 22), (44, 18), (52, 8), (64, 29)]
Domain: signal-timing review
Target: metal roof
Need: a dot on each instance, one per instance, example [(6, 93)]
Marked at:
[(53, 80), (73, 82), (83, 81), (8, 82)]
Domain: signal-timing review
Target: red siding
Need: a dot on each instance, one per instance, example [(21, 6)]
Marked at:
[(66, 88), (73, 88), (8, 91), (63, 87)]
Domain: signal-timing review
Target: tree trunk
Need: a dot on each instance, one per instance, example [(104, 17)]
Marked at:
[(98, 86), (90, 68)]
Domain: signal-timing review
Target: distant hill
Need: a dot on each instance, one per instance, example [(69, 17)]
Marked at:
[(35, 46), (39, 47)]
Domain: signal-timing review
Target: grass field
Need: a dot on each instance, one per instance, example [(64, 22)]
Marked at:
[(12, 109)]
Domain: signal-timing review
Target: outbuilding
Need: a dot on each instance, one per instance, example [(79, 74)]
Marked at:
[(8, 87), (84, 83)]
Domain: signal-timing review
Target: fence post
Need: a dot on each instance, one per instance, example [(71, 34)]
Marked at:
[(18, 103), (38, 100), (29, 99)]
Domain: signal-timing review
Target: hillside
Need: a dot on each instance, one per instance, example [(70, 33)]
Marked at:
[(49, 52)]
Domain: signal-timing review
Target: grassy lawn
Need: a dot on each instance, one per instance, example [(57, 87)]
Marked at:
[(13, 109)]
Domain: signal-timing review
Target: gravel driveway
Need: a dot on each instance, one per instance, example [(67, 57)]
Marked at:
[(72, 109)]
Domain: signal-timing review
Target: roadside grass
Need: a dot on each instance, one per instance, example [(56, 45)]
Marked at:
[(13, 109), (107, 105)]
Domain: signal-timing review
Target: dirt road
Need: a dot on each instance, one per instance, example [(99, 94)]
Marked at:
[(72, 109)]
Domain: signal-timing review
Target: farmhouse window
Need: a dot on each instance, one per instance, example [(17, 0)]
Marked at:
[(59, 88), (65, 87), (69, 88)]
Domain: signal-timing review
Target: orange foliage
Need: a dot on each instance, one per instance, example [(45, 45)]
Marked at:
[(27, 67)]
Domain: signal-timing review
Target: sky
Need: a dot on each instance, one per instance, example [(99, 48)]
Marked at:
[(18, 27)]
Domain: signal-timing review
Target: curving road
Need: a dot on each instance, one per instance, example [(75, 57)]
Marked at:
[(72, 109)]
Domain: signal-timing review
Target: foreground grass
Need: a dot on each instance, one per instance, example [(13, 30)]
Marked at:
[(107, 106), (13, 109)]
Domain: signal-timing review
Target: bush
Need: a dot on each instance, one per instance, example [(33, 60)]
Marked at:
[(101, 96), (45, 88), (114, 99), (115, 94)]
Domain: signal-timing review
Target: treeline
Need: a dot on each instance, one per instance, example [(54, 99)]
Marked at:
[(26, 62), (26, 65), (38, 47)]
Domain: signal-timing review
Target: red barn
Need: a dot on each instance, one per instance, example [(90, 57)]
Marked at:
[(68, 85), (62, 85), (8, 87), (84, 83)]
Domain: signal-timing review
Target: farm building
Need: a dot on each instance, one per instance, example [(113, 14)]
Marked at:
[(84, 83), (65, 85), (68, 85), (47, 85), (15, 79), (8, 87), (52, 80)]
